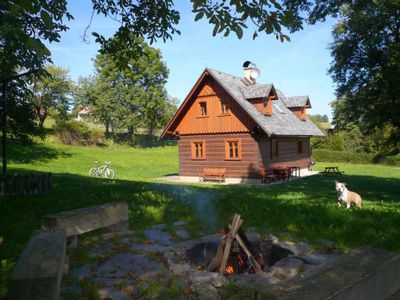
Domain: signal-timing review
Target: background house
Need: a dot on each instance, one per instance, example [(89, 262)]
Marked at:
[(83, 114), (234, 123)]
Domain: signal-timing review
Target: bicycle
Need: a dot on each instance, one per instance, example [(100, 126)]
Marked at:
[(102, 171)]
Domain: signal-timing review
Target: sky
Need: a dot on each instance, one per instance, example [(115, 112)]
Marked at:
[(297, 68)]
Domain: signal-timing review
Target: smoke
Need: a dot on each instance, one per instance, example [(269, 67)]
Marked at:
[(201, 201)]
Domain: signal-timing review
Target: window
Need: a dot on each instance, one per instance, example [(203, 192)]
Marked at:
[(232, 150), (198, 150), (224, 108), (203, 108), (274, 148), (300, 147)]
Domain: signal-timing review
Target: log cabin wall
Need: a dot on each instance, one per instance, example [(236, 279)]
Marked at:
[(215, 155), (289, 153), (215, 120)]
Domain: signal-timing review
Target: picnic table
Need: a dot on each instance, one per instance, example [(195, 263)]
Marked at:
[(294, 171), (332, 171), (282, 172)]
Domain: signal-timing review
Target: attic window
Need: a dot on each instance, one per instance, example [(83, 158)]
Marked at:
[(203, 108), (224, 108), (276, 106)]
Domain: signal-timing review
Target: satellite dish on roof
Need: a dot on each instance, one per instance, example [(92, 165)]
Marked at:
[(246, 64), (255, 73)]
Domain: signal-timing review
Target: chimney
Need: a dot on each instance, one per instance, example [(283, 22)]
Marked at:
[(251, 73)]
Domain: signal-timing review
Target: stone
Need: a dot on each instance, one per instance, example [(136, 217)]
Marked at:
[(149, 247), (271, 238), (256, 280), (273, 253), (82, 272), (180, 269), (318, 258), (219, 281), (113, 282), (287, 267), (129, 265), (206, 291), (111, 293), (183, 234), (201, 277), (154, 236), (159, 226), (101, 249), (298, 249), (179, 223)]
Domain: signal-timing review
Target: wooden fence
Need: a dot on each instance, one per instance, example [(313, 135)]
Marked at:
[(28, 184)]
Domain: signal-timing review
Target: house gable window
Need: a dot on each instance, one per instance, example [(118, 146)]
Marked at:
[(203, 109), (224, 108), (300, 147), (274, 148), (198, 150), (233, 150)]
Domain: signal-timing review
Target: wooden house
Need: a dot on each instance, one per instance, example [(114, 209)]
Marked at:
[(234, 123)]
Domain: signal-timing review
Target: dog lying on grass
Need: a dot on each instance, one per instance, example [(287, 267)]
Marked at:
[(346, 197)]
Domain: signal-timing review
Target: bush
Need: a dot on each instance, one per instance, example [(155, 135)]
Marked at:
[(78, 133), (342, 156), (354, 157)]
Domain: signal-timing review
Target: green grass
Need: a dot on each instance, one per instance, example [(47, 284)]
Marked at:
[(300, 210)]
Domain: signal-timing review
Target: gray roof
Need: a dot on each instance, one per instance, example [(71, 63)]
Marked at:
[(296, 101), (256, 91), (282, 122)]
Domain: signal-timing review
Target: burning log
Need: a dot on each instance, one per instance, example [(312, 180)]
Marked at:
[(233, 250)]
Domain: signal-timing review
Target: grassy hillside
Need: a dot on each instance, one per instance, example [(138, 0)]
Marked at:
[(304, 209)]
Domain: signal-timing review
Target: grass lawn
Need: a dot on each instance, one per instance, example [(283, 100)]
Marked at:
[(304, 209)]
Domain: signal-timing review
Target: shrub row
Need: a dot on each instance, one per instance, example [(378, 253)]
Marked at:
[(354, 157), (78, 133)]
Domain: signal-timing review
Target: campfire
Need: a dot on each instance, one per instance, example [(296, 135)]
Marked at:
[(235, 254)]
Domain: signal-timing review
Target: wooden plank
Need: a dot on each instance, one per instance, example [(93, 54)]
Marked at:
[(236, 223), (86, 219), (38, 273)]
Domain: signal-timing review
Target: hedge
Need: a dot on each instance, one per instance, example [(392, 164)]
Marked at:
[(354, 157)]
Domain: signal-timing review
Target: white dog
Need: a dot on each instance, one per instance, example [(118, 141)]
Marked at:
[(346, 196)]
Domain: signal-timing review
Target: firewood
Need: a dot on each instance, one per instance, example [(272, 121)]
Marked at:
[(216, 261), (236, 223)]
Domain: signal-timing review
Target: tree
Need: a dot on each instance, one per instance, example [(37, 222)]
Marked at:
[(366, 67), (132, 97), (27, 25), (51, 94)]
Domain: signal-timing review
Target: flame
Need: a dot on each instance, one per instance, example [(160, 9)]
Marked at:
[(229, 270)]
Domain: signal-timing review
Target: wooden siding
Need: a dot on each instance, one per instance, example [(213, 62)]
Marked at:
[(234, 120), (300, 112), (247, 166), (287, 152), (259, 104)]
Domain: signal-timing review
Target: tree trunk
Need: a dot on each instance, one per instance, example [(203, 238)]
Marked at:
[(42, 115)]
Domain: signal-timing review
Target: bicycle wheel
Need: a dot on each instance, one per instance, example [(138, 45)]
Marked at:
[(93, 172), (109, 174)]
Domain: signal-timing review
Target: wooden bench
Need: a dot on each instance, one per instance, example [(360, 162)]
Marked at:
[(267, 175), (111, 217), (216, 174), (39, 271), (332, 171)]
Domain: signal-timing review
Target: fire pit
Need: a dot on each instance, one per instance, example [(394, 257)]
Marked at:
[(236, 252)]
